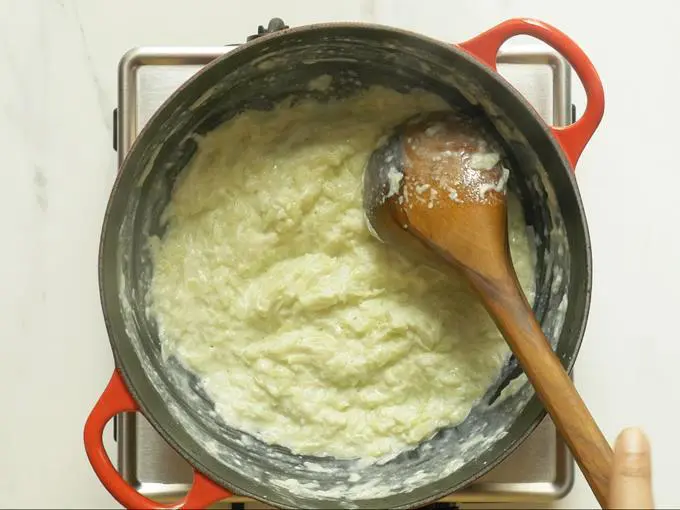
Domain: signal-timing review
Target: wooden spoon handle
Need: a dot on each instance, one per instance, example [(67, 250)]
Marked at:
[(515, 319)]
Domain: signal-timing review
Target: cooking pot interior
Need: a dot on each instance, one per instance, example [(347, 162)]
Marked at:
[(258, 76)]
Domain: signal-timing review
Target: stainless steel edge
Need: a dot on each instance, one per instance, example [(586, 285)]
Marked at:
[(127, 80), (478, 492), (561, 76)]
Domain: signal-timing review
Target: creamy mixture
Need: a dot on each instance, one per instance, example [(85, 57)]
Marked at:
[(305, 330)]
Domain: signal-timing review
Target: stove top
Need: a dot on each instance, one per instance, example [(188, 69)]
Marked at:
[(540, 470)]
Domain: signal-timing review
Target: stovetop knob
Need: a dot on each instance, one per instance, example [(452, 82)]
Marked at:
[(115, 129), (275, 24)]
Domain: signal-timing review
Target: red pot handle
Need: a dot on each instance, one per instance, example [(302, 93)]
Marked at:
[(117, 399), (573, 138)]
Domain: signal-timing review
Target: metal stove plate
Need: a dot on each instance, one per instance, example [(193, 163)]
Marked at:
[(540, 470)]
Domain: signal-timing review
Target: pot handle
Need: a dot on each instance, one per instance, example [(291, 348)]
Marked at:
[(572, 138), (117, 399)]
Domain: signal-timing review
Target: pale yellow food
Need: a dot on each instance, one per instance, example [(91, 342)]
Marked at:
[(307, 331)]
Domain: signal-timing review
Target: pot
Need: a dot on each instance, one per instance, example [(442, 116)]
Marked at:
[(258, 75)]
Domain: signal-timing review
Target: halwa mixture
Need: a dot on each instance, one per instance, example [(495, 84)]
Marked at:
[(305, 330)]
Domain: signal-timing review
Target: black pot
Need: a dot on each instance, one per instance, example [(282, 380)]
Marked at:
[(257, 75)]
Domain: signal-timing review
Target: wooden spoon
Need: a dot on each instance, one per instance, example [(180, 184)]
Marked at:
[(437, 185)]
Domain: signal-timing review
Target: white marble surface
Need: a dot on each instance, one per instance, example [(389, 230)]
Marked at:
[(58, 66)]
